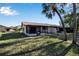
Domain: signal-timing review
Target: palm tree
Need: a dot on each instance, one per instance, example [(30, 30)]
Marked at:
[(75, 23), (50, 9)]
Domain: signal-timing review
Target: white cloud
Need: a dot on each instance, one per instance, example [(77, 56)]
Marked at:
[(8, 11)]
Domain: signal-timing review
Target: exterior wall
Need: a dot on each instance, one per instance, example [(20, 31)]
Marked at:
[(49, 30), (24, 29), (52, 30)]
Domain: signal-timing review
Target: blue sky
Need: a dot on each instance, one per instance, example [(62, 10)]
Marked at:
[(14, 14)]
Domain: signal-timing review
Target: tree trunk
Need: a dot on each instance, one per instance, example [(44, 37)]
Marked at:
[(65, 39), (75, 24)]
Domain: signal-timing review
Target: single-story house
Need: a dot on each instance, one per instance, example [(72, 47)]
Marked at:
[(3, 28), (10, 29), (38, 28)]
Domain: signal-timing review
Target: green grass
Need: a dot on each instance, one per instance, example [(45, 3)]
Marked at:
[(17, 44), (2, 32)]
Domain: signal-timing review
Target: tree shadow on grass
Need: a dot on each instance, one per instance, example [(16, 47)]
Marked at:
[(49, 49), (29, 51), (54, 49), (10, 44), (61, 50), (2, 45), (16, 35), (75, 49), (12, 35), (66, 50), (4, 53)]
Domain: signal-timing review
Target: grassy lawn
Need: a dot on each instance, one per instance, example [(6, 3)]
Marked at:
[(17, 44), (1, 32)]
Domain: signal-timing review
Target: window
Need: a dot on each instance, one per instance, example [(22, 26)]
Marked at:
[(44, 28)]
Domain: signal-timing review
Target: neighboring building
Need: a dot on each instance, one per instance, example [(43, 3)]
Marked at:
[(11, 30), (3, 28), (30, 28)]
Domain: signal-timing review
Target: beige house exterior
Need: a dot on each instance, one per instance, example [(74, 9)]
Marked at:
[(31, 28)]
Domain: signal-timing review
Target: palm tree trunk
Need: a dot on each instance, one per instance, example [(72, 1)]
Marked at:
[(65, 39), (75, 24)]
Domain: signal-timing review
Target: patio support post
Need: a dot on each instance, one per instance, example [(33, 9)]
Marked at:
[(28, 29), (41, 29)]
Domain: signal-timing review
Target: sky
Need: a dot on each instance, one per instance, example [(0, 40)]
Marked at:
[(14, 14)]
